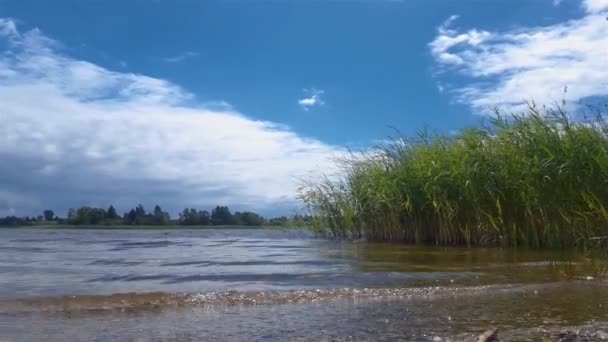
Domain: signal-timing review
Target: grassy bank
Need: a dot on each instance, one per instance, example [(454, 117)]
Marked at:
[(536, 180)]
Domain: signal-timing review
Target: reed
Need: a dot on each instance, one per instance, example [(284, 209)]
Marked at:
[(535, 180)]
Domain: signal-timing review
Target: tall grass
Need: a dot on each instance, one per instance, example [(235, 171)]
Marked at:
[(534, 180)]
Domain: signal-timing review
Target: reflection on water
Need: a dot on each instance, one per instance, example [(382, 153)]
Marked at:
[(206, 284)]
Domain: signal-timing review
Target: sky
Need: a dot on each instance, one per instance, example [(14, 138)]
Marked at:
[(234, 102)]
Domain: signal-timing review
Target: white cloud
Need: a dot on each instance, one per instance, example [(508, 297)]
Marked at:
[(75, 133), (449, 38), (312, 99), (8, 27), (181, 57), (594, 6), (506, 68)]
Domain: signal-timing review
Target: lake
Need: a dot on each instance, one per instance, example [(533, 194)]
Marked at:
[(279, 285)]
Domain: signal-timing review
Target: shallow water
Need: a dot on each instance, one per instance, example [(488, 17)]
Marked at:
[(244, 285)]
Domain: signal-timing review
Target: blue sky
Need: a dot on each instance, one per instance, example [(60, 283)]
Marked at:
[(240, 98)]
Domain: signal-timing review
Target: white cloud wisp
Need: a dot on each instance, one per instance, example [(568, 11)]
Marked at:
[(181, 57), (505, 68), (312, 100)]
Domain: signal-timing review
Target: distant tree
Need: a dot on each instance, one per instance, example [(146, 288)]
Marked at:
[(71, 214), (13, 221), (111, 213), (301, 221), (248, 218), (89, 215), (49, 215), (237, 218), (192, 217), (140, 215), (86, 215), (204, 218), (278, 221), (184, 217), (221, 216), (159, 216), (140, 211), (131, 217)]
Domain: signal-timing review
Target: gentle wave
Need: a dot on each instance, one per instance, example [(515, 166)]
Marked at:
[(252, 263), (134, 302)]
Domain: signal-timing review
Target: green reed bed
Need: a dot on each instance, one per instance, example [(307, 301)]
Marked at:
[(534, 180)]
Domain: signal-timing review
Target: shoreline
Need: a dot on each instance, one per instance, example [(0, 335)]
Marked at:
[(158, 300), (164, 308), (150, 227)]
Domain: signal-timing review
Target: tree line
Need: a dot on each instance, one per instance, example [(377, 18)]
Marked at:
[(138, 216)]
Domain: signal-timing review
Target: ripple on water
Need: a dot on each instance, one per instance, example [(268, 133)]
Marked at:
[(148, 244), (252, 263), (119, 262)]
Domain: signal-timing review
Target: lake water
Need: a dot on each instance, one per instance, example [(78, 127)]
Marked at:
[(278, 285)]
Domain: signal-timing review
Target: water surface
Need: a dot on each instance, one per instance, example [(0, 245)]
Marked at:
[(239, 284)]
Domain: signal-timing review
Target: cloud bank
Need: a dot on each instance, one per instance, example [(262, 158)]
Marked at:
[(506, 68), (75, 133)]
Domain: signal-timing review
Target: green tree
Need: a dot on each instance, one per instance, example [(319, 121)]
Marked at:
[(185, 217), (204, 219), (192, 217), (221, 215), (159, 216), (140, 214), (111, 213), (49, 215), (248, 218), (130, 217), (88, 215)]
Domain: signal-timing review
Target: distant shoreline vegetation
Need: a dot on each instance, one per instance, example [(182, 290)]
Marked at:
[(537, 180), (220, 216)]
